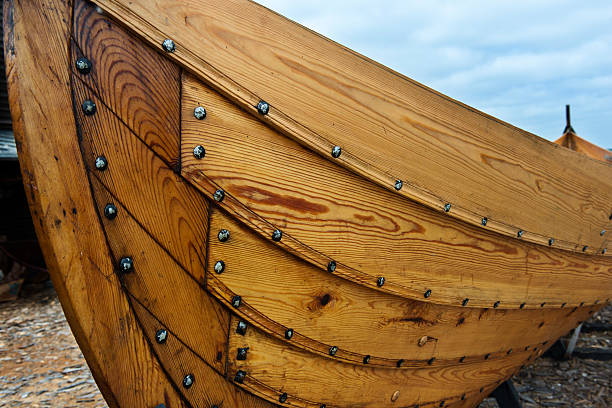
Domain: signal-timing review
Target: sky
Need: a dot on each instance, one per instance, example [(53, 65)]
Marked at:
[(520, 61)]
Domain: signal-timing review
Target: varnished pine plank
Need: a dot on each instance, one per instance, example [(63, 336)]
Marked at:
[(324, 310), (175, 214), (61, 204), (161, 285), (139, 85), (388, 126), (208, 388), (332, 212), (273, 367)]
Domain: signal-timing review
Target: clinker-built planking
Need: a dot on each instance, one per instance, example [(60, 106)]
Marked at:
[(219, 239)]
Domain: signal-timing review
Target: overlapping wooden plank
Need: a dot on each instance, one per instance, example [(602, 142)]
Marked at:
[(176, 214), (139, 85), (207, 388), (161, 285), (36, 40), (366, 228), (308, 379), (388, 126), (324, 310)]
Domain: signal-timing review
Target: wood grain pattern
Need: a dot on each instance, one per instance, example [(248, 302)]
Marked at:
[(61, 204), (209, 388), (174, 213), (141, 87), (324, 310), (389, 127), (161, 285), (369, 229), (314, 379)]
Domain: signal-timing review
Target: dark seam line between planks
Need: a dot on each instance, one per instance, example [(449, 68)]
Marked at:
[(130, 298)]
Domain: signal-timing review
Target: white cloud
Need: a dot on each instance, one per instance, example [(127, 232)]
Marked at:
[(521, 61)]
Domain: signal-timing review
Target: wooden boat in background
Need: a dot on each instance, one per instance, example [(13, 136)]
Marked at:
[(238, 212)]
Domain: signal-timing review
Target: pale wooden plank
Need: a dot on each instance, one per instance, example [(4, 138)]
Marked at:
[(273, 368), (389, 127), (324, 310), (336, 214)]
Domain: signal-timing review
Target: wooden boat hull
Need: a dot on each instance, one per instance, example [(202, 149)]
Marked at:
[(228, 259)]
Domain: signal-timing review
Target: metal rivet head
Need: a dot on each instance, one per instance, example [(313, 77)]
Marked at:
[(161, 336), (603, 251), (496, 304), (199, 113), (563, 305), (584, 248), (219, 267), (83, 65), (486, 357), (89, 107), (236, 301), (462, 397), (366, 359), (465, 302), (423, 341), (551, 241), (399, 363), (239, 377), (110, 211), (101, 163), (484, 221), (431, 360), (282, 398), (581, 304), (462, 359), (427, 293), (380, 281), (519, 234), (522, 306), (481, 389), (542, 304), (219, 195), (263, 107), (126, 265), (168, 45), (199, 152), (223, 235), (447, 207), (288, 334), (188, 380), (277, 235), (509, 352), (336, 152), (442, 403), (333, 350), (242, 353), (241, 328), (602, 233), (331, 266), (395, 396), (399, 184)]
